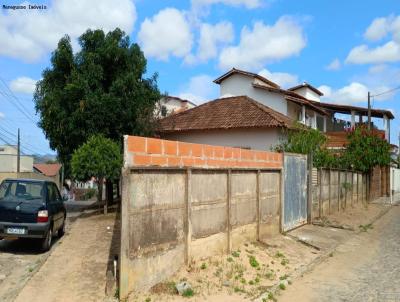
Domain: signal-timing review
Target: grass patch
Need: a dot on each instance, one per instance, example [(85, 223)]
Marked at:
[(282, 286), (366, 227), (236, 254), (203, 266), (230, 259), (253, 261), (188, 293)]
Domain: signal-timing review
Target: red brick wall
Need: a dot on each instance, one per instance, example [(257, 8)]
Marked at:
[(379, 182), (144, 151)]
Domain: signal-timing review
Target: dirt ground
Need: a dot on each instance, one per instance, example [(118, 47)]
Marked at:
[(356, 217), (76, 269), (365, 268), (243, 275)]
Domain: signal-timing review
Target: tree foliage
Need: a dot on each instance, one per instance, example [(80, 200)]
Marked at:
[(302, 140), (364, 151), (99, 157), (99, 90)]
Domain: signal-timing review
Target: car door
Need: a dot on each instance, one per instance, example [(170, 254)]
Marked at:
[(52, 205), (59, 206)]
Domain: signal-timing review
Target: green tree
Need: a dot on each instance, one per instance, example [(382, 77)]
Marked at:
[(301, 139), (99, 90), (366, 150), (99, 157)]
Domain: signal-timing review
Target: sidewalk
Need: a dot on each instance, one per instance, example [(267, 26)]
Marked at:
[(76, 269)]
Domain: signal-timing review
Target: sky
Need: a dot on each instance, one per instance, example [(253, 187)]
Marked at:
[(344, 48)]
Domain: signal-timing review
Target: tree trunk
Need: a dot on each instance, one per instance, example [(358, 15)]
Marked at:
[(118, 188), (100, 190), (109, 194)]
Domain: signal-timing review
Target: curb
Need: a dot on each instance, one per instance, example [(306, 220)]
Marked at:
[(319, 259)]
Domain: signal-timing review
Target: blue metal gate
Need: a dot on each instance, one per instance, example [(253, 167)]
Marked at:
[(295, 191)]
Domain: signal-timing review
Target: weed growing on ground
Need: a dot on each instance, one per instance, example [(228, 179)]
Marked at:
[(188, 293), (30, 269), (203, 266), (236, 254), (279, 255), (330, 254), (284, 277), (282, 286), (365, 227), (284, 261), (230, 259), (253, 261), (148, 299)]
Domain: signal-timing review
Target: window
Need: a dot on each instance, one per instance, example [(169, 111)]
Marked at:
[(15, 190)]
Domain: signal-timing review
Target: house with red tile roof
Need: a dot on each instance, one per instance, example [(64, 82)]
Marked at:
[(254, 113)]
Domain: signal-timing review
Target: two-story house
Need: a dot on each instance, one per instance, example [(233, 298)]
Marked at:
[(254, 112)]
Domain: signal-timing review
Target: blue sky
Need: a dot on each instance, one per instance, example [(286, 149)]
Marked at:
[(345, 48)]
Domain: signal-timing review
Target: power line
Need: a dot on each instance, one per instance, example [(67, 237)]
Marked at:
[(387, 91), (27, 146), (18, 104)]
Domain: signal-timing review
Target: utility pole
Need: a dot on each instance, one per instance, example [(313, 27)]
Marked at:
[(18, 154), (369, 111)]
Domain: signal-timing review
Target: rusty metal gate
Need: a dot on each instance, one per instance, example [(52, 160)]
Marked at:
[(294, 209)]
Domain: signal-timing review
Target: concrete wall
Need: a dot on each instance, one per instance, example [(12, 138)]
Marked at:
[(395, 180), (255, 139), (28, 175), (308, 93), (239, 84), (8, 163), (336, 190), (182, 202)]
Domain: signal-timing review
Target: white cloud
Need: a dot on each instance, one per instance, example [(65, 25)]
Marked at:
[(334, 65), (387, 52), (355, 92), (30, 34), (250, 4), (381, 27), (377, 30), (199, 89), (2, 115), (352, 93), (283, 79), (263, 44), (166, 33), (23, 85), (212, 36)]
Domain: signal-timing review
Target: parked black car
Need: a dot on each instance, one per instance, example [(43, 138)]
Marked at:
[(31, 208)]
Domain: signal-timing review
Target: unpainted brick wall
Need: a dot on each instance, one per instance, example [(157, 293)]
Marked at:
[(143, 151)]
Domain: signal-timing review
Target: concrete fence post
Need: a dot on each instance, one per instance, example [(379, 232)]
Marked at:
[(352, 188), (187, 220), (320, 201), (309, 187), (228, 210), (124, 246), (258, 205), (329, 191), (339, 191)]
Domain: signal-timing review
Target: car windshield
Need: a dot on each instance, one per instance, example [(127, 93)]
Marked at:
[(19, 190)]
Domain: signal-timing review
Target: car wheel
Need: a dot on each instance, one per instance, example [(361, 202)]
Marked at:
[(46, 242), (61, 230)]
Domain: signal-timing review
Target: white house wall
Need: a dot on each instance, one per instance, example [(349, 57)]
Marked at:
[(308, 94), (256, 139), (238, 84)]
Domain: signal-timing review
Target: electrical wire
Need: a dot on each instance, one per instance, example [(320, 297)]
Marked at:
[(387, 91)]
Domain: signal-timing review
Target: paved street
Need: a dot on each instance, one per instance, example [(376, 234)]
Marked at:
[(365, 268), (20, 259)]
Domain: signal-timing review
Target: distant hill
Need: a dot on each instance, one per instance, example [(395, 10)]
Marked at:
[(43, 159)]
